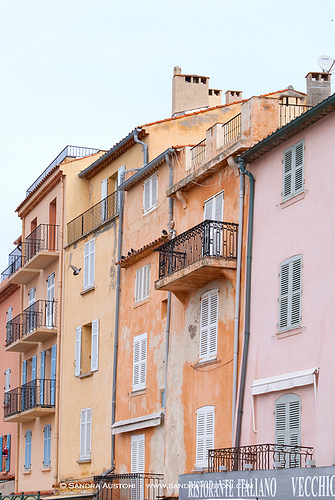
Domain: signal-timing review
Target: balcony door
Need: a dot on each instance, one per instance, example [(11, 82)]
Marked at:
[(50, 301), (212, 239)]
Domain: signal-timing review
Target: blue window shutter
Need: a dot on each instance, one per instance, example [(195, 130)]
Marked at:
[(27, 451), (33, 381), (24, 372), (42, 377), (24, 381), (53, 374), (33, 367), (1, 446), (47, 446), (8, 459)]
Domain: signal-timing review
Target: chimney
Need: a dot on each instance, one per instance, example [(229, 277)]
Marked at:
[(233, 96), (191, 92), (318, 87)]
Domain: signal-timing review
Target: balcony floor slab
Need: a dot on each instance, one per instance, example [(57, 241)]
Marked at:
[(40, 334), (42, 259), (20, 346)]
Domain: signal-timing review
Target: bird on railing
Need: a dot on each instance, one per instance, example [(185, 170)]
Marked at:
[(75, 269)]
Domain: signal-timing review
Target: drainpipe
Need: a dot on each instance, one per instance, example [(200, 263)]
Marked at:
[(145, 146), (240, 163), (117, 313), (232, 164)]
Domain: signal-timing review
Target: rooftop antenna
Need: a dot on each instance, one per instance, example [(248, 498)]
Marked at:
[(326, 63)]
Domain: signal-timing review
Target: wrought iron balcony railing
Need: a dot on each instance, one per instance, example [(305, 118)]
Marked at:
[(132, 486), (258, 457), (92, 218), (13, 266), (207, 239), (41, 314), (232, 130), (34, 394), (44, 237), (288, 112), (198, 153)]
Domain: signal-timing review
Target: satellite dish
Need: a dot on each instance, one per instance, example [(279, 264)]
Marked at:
[(326, 63)]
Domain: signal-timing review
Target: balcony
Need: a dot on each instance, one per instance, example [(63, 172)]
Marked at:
[(34, 399), (198, 256), (259, 457), (132, 486), (15, 262), (92, 218), (36, 324), (41, 247), (288, 112)]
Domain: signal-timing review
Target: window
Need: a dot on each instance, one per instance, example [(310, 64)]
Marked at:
[(293, 170), (87, 348), (209, 325), (47, 446), (205, 434), (85, 433), (7, 387), (150, 194), (290, 293), (139, 362), (287, 427), (27, 450), (142, 283), (89, 264), (137, 466)]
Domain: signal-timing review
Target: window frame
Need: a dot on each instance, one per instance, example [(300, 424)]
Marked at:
[(152, 183), (205, 440), (93, 350), (140, 351), (290, 176), (209, 329), (290, 293)]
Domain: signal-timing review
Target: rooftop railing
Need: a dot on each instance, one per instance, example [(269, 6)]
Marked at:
[(92, 218), (198, 153), (287, 112), (44, 237), (132, 486), (258, 457), (232, 130), (33, 394), (207, 239)]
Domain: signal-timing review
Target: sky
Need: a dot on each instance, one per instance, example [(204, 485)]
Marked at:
[(86, 72)]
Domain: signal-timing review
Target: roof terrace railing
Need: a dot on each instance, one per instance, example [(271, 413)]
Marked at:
[(198, 153), (232, 130), (92, 218), (287, 112)]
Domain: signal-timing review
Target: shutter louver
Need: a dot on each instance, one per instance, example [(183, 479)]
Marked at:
[(208, 209), (142, 283), (42, 377), (283, 301), (143, 361), (88, 431), (213, 325), (146, 195), (82, 433)]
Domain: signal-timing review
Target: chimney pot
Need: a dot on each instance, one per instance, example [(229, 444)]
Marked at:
[(318, 87)]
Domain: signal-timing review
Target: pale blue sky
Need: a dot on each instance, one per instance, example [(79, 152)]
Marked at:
[(86, 72)]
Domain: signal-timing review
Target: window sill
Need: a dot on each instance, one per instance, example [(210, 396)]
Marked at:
[(294, 199), (87, 290), (206, 363), (46, 469), (289, 333), (141, 302), (150, 210), (85, 375), (138, 392), (27, 471), (84, 461)]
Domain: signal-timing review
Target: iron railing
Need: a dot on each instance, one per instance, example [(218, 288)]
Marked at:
[(44, 237), (258, 457), (20, 496), (33, 394), (92, 218), (232, 130), (41, 314), (207, 239), (13, 266), (288, 112), (198, 153), (133, 486)]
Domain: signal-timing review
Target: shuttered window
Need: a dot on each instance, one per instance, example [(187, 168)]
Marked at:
[(139, 362), (290, 293), (142, 283), (27, 451), (209, 325), (89, 263), (150, 194), (85, 433), (47, 446), (205, 434), (293, 170), (288, 427)]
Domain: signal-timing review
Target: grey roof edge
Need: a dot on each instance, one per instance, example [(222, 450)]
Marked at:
[(144, 170), (289, 130), (110, 152)]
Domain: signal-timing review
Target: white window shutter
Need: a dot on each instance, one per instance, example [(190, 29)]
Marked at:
[(213, 327), (290, 291), (92, 263), (7, 380), (143, 360), (209, 325), (95, 345), (287, 177), (83, 433), (136, 362), (218, 214), (293, 170), (86, 264), (9, 314), (146, 195), (288, 426), (200, 444), (204, 327), (208, 209), (299, 167), (88, 431), (205, 434), (154, 185), (296, 292), (77, 369), (142, 283), (284, 295), (137, 454)]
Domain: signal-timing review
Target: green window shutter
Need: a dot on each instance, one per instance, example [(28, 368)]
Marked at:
[(290, 290), (287, 178)]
